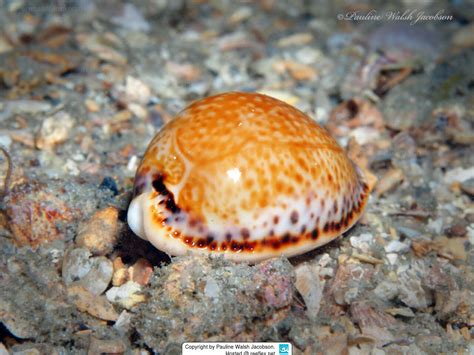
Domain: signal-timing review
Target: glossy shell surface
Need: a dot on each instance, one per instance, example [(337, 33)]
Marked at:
[(247, 176)]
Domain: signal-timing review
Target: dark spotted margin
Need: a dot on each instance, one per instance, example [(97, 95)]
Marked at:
[(270, 242)]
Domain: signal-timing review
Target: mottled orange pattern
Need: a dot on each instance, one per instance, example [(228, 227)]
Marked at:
[(235, 155)]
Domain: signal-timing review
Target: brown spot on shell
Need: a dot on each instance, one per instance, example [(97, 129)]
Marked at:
[(294, 217)]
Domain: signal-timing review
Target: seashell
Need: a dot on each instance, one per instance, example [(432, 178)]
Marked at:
[(246, 176)]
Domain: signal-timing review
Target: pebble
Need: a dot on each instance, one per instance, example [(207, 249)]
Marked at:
[(362, 242), (123, 322), (392, 258), (298, 71), (94, 274), (131, 18), (365, 258), (99, 234), (212, 289), (136, 91), (184, 71), (408, 232), (396, 246), (36, 214), (76, 264), (297, 39), (464, 37), (54, 130), (121, 274), (456, 230), (373, 323), (389, 181), (364, 135), (106, 346), (102, 45), (411, 291), (5, 140), (310, 287), (16, 323), (467, 187), (459, 175), (99, 276), (450, 248), (141, 272), (92, 106), (241, 14), (402, 311), (97, 306), (18, 107), (386, 290), (126, 295)]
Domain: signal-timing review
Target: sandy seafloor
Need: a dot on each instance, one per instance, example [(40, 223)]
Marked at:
[(84, 86)]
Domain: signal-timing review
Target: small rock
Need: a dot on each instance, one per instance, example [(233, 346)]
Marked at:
[(408, 232), (127, 295), (386, 290), (243, 13), (276, 288), (310, 287), (348, 282), (99, 234), (131, 18), (364, 135), (92, 106), (374, 323), (411, 291), (389, 181), (362, 242), (93, 274), (141, 272), (136, 91), (102, 45), (186, 71), (421, 247), (392, 258), (54, 130), (457, 230), (121, 274), (5, 140), (123, 322), (37, 215), (404, 311), (365, 258), (297, 70), (396, 246), (467, 187), (18, 107), (459, 175), (97, 306), (15, 322), (99, 276), (109, 346), (212, 289), (464, 37), (297, 39), (451, 248), (76, 264)]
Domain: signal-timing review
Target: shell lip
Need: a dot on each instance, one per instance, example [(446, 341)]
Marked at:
[(135, 216)]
